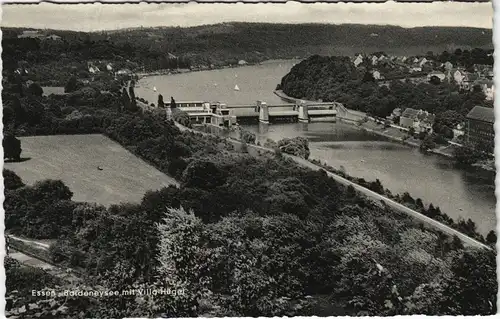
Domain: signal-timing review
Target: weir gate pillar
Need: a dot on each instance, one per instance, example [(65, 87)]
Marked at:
[(263, 110), (303, 112)]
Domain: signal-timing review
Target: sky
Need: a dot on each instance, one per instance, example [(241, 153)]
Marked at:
[(94, 17)]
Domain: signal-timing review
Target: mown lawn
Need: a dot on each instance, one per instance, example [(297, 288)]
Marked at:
[(76, 159)]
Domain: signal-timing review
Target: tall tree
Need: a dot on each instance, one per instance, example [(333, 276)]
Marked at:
[(133, 101), (160, 101), (12, 148), (125, 100), (71, 85), (35, 89), (11, 180)]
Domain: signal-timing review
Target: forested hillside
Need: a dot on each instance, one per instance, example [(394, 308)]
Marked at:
[(225, 44)]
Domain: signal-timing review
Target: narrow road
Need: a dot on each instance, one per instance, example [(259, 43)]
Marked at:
[(40, 244), (65, 274)]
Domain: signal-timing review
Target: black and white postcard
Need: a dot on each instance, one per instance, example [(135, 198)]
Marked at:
[(170, 160)]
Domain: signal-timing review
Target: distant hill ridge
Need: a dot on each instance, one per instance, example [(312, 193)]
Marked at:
[(227, 43), (312, 34)]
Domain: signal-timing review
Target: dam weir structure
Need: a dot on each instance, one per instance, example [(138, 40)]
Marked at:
[(220, 114)]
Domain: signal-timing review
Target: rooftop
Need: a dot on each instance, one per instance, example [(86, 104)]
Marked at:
[(410, 113), (481, 113)]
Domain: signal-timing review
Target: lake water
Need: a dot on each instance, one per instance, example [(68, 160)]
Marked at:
[(434, 179), (256, 82)]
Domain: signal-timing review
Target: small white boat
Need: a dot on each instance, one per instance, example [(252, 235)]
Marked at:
[(236, 75), (154, 88), (215, 84), (236, 88)]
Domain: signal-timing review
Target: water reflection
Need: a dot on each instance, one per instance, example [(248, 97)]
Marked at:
[(263, 128)]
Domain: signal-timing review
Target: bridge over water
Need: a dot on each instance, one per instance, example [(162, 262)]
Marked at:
[(293, 110), (301, 111)]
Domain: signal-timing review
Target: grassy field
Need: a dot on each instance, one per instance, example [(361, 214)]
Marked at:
[(75, 159)]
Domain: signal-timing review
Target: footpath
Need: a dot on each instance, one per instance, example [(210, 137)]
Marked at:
[(29, 258)]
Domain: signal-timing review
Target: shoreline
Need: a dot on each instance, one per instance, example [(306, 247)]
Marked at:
[(435, 151), (167, 72)]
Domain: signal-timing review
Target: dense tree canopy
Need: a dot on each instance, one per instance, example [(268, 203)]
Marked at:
[(242, 235)]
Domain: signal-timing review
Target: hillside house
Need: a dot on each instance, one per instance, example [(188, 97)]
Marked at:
[(458, 76), (396, 114), (242, 62), (424, 122), (490, 74), (374, 60), (419, 120), (53, 37), (376, 75), (408, 118), (468, 81), (458, 131), (440, 75), (415, 68), (382, 58), (358, 60), (93, 69), (448, 65), (124, 72), (487, 87), (423, 62)]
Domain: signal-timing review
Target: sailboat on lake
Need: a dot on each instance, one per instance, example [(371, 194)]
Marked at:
[(236, 88)]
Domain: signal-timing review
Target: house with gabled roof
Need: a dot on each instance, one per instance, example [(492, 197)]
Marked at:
[(376, 75), (458, 75), (358, 60), (423, 62), (53, 37), (440, 75), (419, 120), (448, 65)]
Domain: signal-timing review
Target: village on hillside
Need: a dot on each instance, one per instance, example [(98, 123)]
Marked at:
[(437, 69)]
